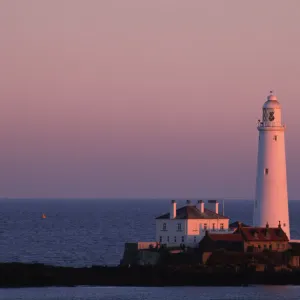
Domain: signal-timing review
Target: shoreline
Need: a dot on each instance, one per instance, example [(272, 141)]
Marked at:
[(21, 275)]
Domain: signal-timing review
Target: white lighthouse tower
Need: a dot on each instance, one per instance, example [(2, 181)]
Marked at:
[(271, 198)]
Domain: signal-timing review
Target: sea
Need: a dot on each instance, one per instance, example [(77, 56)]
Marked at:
[(86, 232)]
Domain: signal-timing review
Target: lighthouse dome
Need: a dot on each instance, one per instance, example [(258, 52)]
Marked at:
[(272, 102)]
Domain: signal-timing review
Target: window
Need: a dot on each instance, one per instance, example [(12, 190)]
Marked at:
[(168, 239), (195, 227), (160, 239), (270, 247), (179, 227), (275, 138), (222, 226), (182, 239), (278, 246), (174, 239), (195, 239), (164, 227), (214, 226), (205, 226), (266, 171)]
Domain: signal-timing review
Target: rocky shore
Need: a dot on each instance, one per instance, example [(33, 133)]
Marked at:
[(37, 275)]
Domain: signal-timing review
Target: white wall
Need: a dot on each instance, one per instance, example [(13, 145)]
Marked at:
[(171, 231), (271, 199), (196, 228), (191, 229)]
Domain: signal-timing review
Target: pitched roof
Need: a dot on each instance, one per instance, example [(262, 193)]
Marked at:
[(263, 234), (237, 223), (232, 237), (230, 242), (192, 212), (235, 241)]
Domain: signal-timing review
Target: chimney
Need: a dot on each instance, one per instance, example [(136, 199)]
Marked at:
[(200, 206), (173, 210), (213, 205), (239, 225), (188, 202)]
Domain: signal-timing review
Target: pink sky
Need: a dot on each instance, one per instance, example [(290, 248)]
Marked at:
[(143, 98)]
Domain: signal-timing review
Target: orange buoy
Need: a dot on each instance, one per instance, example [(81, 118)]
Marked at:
[(43, 216)]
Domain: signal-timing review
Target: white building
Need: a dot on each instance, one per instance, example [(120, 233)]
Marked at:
[(188, 224), (271, 199)]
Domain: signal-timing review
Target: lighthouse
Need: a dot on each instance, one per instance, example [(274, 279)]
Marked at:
[(271, 197)]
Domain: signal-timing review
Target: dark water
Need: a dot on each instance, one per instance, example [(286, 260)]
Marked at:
[(90, 232), (93, 232), (166, 293)]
